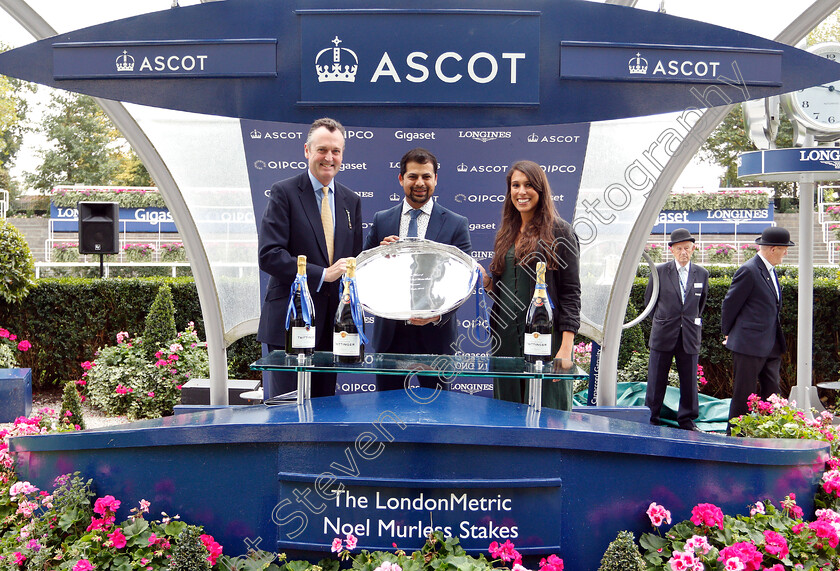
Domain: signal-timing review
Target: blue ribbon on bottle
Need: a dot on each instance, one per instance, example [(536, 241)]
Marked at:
[(356, 309), (548, 297), (481, 309), (291, 311)]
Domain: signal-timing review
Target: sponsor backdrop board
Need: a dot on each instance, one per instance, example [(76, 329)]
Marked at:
[(715, 221), (66, 219), (471, 181)]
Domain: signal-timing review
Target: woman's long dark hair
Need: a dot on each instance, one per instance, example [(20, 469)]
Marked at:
[(539, 230)]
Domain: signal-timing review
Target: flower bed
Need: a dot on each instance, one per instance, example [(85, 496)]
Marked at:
[(173, 252), (741, 198), (749, 250), (138, 252), (65, 252), (654, 251), (720, 253)]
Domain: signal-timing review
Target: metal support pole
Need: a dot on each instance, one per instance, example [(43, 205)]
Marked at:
[(804, 393)]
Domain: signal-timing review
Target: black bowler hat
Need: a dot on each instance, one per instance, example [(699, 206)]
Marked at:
[(680, 235), (774, 236)]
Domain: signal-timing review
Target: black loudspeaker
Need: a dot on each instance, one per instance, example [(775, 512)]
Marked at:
[(99, 227)]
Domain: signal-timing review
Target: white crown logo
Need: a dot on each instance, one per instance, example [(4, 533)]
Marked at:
[(256, 134), (462, 167), (125, 62), (394, 197), (341, 67), (637, 65), (533, 138)]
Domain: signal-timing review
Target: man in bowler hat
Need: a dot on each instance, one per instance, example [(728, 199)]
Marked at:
[(675, 333), (750, 321)]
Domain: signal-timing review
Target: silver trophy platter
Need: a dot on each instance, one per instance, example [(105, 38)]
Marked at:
[(414, 278)]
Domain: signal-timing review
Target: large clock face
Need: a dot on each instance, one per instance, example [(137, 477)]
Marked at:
[(818, 107)]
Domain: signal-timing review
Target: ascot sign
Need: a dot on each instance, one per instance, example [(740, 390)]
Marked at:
[(474, 64)]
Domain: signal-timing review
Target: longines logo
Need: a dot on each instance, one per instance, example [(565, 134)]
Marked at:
[(341, 67), (484, 136)]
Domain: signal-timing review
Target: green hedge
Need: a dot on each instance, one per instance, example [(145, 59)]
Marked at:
[(67, 319), (717, 360)]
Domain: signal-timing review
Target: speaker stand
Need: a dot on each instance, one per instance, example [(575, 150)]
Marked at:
[(101, 266)]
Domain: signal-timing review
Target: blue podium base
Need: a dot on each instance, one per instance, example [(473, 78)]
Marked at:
[(15, 393), (390, 468)]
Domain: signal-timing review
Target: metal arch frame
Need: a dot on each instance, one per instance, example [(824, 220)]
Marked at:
[(200, 264), (616, 308)]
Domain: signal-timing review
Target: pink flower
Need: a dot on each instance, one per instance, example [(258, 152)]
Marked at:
[(336, 545), (698, 543), (388, 566), (824, 530), (151, 394), (20, 558), (744, 552), (13, 337), (757, 509), (658, 514), (506, 552), (212, 547), (24, 345), (775, 544), (4, 332), (553, 563), (106, 504), (117, 538), (707, 515), (734, 564), (682, 561), (144, 506), (351, 542), (83, 565), (87, 365)]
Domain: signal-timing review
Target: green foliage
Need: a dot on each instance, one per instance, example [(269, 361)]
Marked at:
[(724, 200), (13, 109), (189, 553), (71, 403), (8, 359), (160, 322), (124, 380), (17, 267), (126, 197), (731, 139), (622, 554), (632, 339)]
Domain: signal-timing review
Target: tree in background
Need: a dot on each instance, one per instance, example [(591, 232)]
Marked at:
[(13, 109), (86, 148)]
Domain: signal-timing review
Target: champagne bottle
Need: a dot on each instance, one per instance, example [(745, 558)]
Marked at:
[(539, 322), (347, 346), (300, 337)]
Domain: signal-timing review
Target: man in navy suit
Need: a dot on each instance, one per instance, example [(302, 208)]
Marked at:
[(417, 216), (676, 329), (750, 321), (312, 215)]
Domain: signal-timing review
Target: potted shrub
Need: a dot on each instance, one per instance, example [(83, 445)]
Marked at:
[(138, 252), (748, 251), (65, 252), (720, 253), (173, 252)]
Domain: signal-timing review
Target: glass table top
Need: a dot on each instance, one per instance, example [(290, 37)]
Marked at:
[(424, 365)]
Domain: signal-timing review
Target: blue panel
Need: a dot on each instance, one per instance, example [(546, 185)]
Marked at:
[(467, 58), (748, 67), (650, 62), (229, 58), (15, 393), (717, 221), (824, 161)]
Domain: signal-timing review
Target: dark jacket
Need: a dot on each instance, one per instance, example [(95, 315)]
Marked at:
[(671, 315), (291, 226)]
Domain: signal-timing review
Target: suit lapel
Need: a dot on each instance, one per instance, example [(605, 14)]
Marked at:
[(392, 221), (675, 280), (435, 223), (767, 278), (310, 209)]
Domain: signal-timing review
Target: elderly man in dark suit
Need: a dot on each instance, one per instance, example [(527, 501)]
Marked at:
[(675, 333), (420, 217), (312, 215), (750, 321)]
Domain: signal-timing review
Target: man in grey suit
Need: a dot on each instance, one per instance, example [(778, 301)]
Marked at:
[(675, 333), (750, 321)]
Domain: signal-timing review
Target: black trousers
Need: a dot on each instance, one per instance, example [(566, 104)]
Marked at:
[(658, 368), (281, 382), (759, 375)]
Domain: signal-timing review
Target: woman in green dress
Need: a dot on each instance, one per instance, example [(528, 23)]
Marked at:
[(532, 231)]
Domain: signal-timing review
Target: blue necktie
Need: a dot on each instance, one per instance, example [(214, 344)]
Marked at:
[(412, 224), (683, 279)]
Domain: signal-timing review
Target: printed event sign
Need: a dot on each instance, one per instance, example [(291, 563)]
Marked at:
[(380, 516), (718, 221)]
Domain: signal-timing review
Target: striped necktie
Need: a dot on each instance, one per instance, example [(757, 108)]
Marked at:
[(327, 221)]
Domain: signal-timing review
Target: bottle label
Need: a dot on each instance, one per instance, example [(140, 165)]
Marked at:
[(303, 337), (538, 344), (346, 344)]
